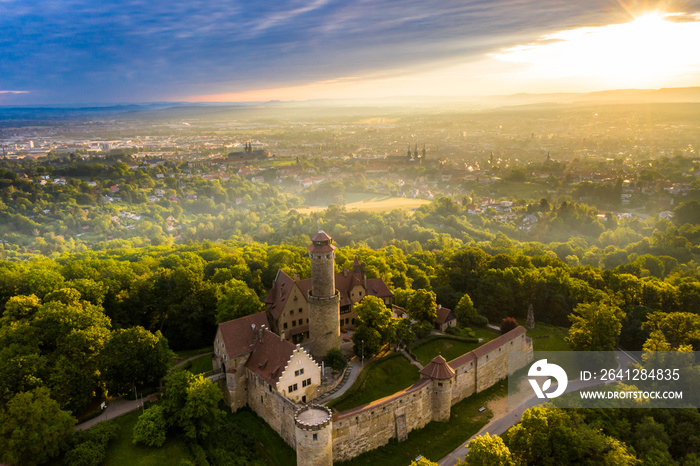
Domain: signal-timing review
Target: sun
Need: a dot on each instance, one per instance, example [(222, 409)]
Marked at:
[(653, 49)]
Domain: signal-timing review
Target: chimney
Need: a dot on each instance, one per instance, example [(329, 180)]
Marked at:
[(296, 276), (345, 272), (439, 306)]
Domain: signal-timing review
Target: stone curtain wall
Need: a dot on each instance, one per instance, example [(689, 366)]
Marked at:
[(274, 408), (465, 379), (366, 428), (369, 427)]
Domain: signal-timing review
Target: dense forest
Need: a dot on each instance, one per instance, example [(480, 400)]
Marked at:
[(85, 316)]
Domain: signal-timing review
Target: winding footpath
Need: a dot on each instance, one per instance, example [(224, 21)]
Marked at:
[(119, 406)]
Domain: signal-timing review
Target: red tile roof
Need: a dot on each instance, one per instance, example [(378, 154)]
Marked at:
[(377, 287), (438, 369), (239, 335), (279, 293), (344, 282), (321, 236), (444, 315), (270, 356)]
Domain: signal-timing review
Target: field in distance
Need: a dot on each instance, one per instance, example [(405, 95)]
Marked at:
[(370, 202)]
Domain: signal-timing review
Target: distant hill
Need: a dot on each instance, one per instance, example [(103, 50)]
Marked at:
[(665, 95), (344, 108)]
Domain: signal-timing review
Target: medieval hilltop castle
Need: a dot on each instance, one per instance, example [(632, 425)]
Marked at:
[(267, 368)]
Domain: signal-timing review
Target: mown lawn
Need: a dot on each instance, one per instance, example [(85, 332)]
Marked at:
[(378, 379), (449, 349), (437, 439)]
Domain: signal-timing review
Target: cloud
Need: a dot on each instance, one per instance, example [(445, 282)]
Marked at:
[(135, 50), (14, 92)]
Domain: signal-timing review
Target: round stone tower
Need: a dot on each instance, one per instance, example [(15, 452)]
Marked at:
[(442, 376), (314, 436), (323, 299)]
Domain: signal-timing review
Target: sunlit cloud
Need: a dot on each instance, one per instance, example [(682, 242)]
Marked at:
[(652, 50), (14, 92)]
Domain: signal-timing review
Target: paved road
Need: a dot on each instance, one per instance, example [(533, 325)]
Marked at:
[(500, 425), (118, 406)]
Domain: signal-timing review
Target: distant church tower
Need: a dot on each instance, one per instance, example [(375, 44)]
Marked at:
[(324, 299)]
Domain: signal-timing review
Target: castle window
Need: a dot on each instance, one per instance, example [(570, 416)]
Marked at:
[(307, 321), (299, 372), (261, 399), (291, 312), (439, 384), (301, 309), (285, 325), (315, 436)]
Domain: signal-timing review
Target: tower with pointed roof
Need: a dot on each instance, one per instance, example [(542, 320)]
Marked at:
[(323, 298), (442, 376)]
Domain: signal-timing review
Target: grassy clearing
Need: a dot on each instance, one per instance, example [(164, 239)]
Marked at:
[(199, 365), (437, 439), (122, 450), (547, 337), (485, 334), (269, 446), (449, 348), (379, 378), (371, 202)]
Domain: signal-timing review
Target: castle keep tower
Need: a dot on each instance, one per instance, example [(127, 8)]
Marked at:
[(314, 436), (323, 299)]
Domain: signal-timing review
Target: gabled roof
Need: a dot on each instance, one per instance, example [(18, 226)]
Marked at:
[(344, 283), (438, 369), (444, 315), (239, 335), (279, 293), (377, 287), (270, 356)]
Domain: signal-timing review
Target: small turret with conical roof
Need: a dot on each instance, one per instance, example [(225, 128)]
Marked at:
[(442, 375)]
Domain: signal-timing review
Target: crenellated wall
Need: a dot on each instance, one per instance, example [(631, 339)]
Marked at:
[(370, 426)]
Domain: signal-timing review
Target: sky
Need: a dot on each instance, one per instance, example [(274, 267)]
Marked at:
[(101, 52)]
